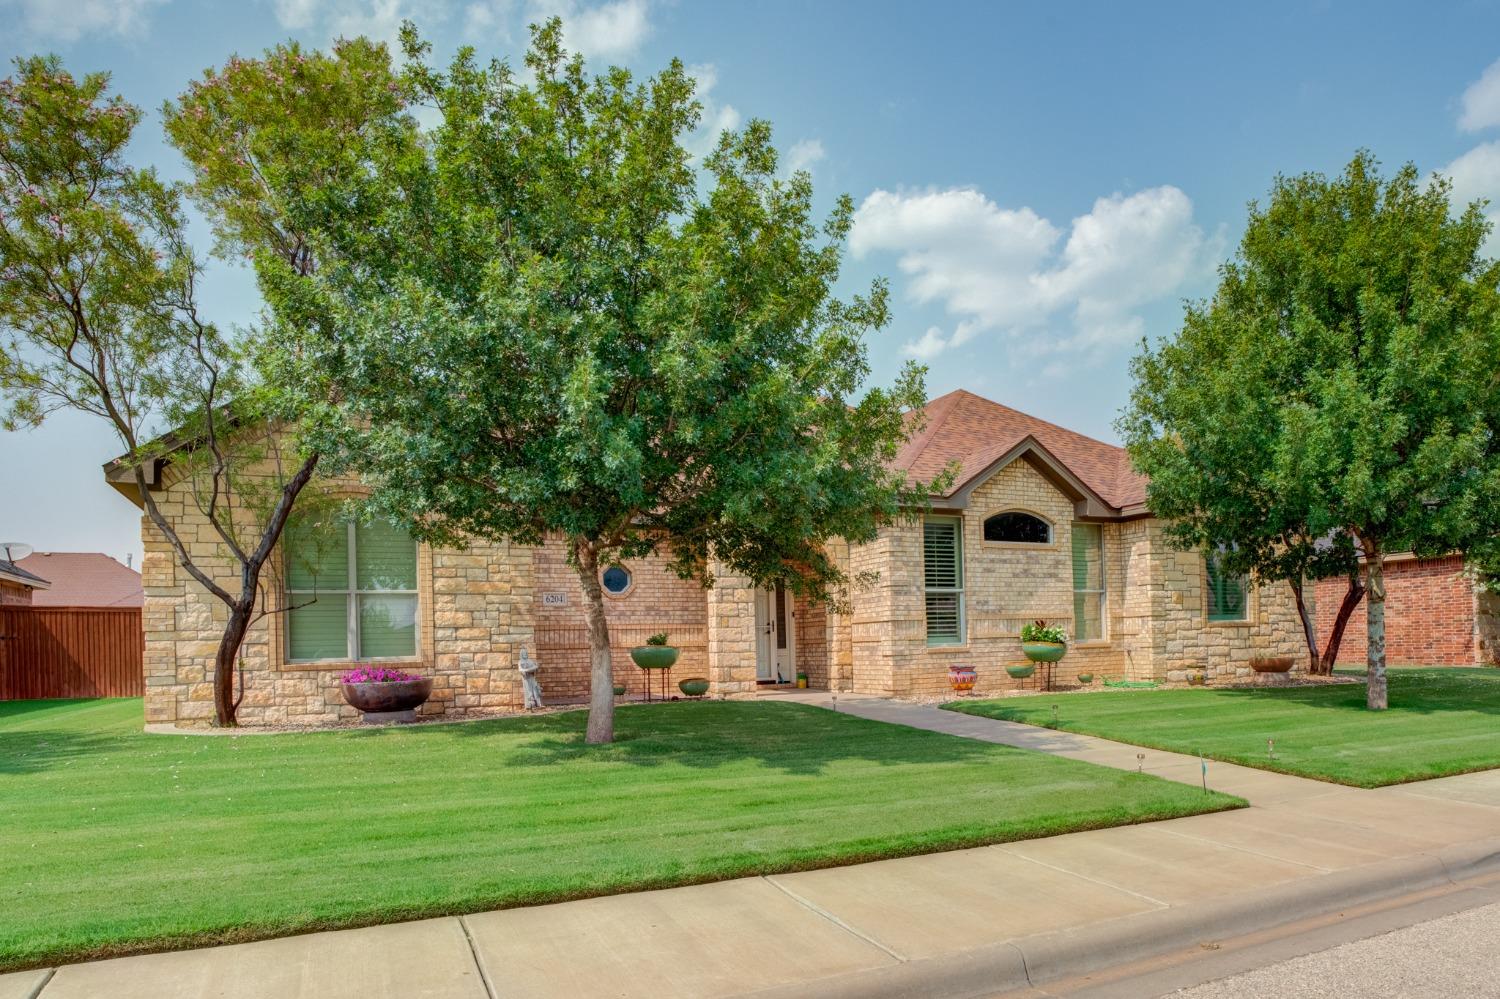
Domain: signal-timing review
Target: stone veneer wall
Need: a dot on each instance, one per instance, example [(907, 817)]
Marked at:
[(474, 611), (1156, 623)]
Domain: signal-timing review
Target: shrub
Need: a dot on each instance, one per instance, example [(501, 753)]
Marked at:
[(376, 674), (1040, 631), (660, 638)]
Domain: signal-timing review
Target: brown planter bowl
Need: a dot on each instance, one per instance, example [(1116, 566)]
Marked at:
[(392, 695), (1272, 664)]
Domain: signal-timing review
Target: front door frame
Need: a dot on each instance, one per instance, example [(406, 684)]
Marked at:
[(773, 664)]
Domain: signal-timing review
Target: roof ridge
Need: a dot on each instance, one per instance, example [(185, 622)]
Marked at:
[(1048, 423)]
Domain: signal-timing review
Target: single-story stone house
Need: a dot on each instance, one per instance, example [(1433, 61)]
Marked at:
[(1041, 522)]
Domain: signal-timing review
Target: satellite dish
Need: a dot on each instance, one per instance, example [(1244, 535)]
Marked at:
[(15, 550)]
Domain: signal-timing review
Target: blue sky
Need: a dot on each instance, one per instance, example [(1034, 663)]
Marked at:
[(1042, 185)]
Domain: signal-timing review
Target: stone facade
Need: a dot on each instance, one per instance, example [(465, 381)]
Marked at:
[(1155, 614), (1434, 616), (478, 607)]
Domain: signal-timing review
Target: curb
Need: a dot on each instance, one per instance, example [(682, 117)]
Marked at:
[(1023, 962)]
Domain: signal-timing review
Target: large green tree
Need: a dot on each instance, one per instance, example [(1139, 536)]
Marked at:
[(538, 318), (99, 314), (1336, 400)]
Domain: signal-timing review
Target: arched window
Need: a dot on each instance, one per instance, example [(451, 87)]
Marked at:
[(1013, 525)]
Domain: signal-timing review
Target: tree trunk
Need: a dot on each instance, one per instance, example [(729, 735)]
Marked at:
[(1309, 630), (226, 704), (601, 725), (1352, 597), (1375, 687)]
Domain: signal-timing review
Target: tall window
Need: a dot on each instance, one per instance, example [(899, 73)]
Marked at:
[(1227, 591), (352, 590), (943, 579), (1088, 582), (1016, 526)]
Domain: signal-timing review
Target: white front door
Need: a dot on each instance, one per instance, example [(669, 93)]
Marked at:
[(776, 638)]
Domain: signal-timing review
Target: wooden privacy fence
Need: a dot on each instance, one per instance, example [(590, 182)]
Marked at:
[(70, 652)]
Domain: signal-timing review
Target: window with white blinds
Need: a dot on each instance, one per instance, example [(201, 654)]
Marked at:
[(1088, 582), (943, 579)]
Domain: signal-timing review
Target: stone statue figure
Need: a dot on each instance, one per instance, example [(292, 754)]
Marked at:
[(531, 691)]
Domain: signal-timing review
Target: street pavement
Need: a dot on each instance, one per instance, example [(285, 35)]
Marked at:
[(1450, 956)]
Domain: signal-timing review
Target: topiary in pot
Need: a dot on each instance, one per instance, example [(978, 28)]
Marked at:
[(656, 653)]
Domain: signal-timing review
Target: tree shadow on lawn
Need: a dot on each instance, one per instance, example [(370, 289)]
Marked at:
[(36, 750), (795, 739)]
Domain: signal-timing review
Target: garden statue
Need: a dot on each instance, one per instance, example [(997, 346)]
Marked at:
[(531, 691)]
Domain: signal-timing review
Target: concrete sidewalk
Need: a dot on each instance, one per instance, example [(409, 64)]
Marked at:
[(969, 922)]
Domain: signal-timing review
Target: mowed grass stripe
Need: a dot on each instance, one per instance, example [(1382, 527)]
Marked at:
[(117, 841), (1440, 722)]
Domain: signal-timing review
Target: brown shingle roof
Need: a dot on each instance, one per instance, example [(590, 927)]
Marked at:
[(83, 579), (974, 432)]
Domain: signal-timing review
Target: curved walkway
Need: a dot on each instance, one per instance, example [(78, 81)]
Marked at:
[(965, 923)]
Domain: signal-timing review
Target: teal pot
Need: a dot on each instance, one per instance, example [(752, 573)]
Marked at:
[(1044, 652), (1021, 672), (693, 687), (619, 690), (655, 656), (1085, 678)]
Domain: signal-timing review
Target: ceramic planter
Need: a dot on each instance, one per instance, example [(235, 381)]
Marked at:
[(1272, 664), (1197, 678), (619, 690), (1044, 652), (1085, 678), (961, 678), (695, 686), (390, 700), (654, 656), (1021, 672)]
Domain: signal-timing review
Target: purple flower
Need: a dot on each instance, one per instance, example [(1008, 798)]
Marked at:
[(376, 674)]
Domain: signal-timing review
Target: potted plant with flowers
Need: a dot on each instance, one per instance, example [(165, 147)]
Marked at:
[(1043, 642), (385, 695)]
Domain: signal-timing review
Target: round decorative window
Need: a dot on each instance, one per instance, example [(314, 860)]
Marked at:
[(616, 579)]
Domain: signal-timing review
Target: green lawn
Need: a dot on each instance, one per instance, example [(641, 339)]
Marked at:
[(116, 841), (1440, 722)]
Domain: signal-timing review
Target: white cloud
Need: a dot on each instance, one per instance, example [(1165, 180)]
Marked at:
[(488, 21), (70, 21), (1475, 175), (380, 20), (717, 117), (928, 345), (803, 154), (295, 14), (1481, 101), (610, 30), (1002, 269)]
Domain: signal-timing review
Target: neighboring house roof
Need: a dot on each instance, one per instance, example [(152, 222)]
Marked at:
[(84, 579), (983, 436), (12, 573)]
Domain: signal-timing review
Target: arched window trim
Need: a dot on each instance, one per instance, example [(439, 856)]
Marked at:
[(1051, 529)]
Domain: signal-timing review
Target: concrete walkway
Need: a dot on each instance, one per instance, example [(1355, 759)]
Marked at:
[(966, 923)]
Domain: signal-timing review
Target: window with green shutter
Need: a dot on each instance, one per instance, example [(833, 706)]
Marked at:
[(943, 579), (351, 592), (1088, 582), (1227, 592)]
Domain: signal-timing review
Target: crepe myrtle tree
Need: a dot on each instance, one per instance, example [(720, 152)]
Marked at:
[(1336, 400), (550, 323), (99, 314)]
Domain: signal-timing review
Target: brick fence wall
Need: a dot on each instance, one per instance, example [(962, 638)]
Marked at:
[(1429, 615)]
